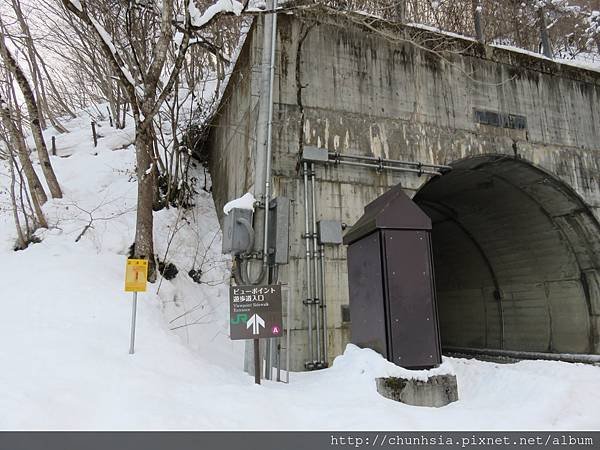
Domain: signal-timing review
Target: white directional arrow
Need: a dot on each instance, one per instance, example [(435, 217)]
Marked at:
[(255, 321)]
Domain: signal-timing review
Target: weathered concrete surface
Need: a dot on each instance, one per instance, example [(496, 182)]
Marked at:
[(437, 391), (519, 267)]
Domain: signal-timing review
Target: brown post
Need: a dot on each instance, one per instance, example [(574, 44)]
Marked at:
[(94, 134), (53, 145), (256, 361)]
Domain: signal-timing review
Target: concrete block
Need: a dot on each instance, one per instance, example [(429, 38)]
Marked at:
[(438, 390)]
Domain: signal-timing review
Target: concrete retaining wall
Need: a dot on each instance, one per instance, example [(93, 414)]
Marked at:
[(352, 90)]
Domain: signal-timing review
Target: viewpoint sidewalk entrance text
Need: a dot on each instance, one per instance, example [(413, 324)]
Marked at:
[(255, 312)]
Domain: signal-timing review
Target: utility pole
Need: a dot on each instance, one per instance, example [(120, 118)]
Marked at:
[(546, 46), (259, 270), (400, 11), (476, 6)]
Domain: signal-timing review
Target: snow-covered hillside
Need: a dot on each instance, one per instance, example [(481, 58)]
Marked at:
[(64, 332)]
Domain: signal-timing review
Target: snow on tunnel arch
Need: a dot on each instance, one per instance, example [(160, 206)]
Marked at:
[(517, 258)]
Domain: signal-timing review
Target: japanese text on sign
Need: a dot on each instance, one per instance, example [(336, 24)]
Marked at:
[(255, 312), (136, 274)]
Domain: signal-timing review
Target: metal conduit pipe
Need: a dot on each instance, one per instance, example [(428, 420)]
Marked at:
[(386, 167), (316, 274), (269, 155), (335, 156), (517, 354), (308, 301), (324, 307)]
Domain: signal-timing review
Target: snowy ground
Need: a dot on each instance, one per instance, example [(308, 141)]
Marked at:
[(64, 333)]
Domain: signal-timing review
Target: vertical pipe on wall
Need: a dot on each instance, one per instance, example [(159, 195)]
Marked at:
[(315, 268), (309, 288), (324, 307), (264, 148), (269, 150)]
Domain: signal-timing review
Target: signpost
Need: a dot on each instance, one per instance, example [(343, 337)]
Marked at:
[(136, 275), (255, 313)]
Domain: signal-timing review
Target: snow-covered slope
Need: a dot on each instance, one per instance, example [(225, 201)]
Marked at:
[(64, 332)]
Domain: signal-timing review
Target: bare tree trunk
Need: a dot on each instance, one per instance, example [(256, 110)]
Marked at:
[(144, 246), (34, 118), (44, 102), (35, 186), (124, 117), (112, 106), (57, 95), (30, 57), (21, 242)]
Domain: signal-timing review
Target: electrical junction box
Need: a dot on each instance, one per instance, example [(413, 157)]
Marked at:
[(315, 154), (237, 231), (329, 232), (279, 230)]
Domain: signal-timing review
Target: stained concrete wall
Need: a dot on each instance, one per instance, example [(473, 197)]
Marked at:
[(233, 130), (349, 89)]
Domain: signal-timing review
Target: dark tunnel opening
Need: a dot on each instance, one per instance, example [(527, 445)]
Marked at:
[(516, 258)]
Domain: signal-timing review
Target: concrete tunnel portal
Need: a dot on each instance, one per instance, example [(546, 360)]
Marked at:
[(516, 258)]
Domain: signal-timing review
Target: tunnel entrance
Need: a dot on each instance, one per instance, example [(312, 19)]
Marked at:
[(516, 255)]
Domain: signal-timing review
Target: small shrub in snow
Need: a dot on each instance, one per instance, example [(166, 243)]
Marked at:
[(196, 275), (168, 270), (32, 239)]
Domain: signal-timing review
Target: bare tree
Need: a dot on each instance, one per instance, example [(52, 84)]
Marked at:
[(152, 37), (34, 115), (34, 69), (569, 28), (8, 157), (14, 139)]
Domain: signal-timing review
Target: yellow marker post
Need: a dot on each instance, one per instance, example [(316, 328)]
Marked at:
[(136, 277)]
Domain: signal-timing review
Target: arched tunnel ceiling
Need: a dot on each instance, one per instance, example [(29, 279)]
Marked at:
[(515, 252)]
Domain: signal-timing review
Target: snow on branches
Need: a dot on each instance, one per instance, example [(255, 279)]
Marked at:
[(221, 6)]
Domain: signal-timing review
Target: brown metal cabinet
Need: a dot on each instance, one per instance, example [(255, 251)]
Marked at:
[(391, 282)]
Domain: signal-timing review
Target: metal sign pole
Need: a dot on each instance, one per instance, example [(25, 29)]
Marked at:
[(268, 360), (136, 279), (287, 339), (133, 312), (256, 361)]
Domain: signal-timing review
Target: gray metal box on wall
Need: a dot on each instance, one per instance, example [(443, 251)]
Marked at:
[(279, 230), (391, 282), (236, 234), (315, 154), (329, 231)]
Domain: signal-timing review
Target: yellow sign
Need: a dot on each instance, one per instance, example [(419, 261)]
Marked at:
[(136, 274)]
